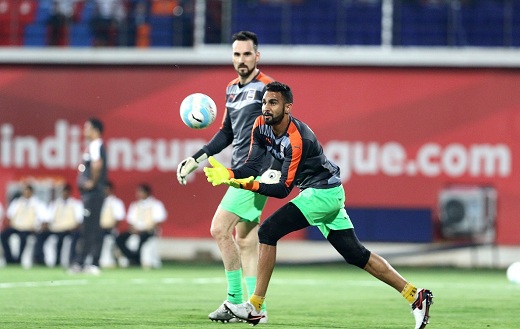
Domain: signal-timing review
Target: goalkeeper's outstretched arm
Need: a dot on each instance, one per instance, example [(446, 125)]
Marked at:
[(218, 174)]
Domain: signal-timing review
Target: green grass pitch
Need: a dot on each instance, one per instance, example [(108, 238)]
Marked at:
[(180, 295)]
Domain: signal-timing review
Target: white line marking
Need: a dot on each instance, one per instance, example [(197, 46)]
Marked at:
[(33, 284)]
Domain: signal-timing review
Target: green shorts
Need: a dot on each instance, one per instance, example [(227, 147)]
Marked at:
[(245, 204), (324, 208)]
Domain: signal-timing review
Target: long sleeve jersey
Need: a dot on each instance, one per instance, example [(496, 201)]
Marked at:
[(303, 163), (243, 106)]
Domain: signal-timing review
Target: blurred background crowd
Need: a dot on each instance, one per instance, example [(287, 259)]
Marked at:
[(185, 23), (41, 226)]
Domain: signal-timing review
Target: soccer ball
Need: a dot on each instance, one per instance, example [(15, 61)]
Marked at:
[(198, 111), (513, 272)]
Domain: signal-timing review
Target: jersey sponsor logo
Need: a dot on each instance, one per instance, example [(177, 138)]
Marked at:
[(250, 94)]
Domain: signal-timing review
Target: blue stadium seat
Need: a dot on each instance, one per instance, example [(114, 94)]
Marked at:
[(44, 8), (265, 19), (161, 32), (515, 29), (35, 35), (363, 23), (314, 23), (80, 35), (421, 24), (483, 22)]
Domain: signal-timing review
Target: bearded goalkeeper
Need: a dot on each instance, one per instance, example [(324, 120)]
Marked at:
[(239, 210)]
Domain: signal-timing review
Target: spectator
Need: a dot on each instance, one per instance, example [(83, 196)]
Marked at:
[(63, 14), (25, 215), (112, 213), (144, 216), (66, 214), (1, 214), (1, 217), (135, 29), (92, 178), (106, 21)]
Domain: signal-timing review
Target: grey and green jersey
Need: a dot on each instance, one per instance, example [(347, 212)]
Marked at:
[(243, 106)]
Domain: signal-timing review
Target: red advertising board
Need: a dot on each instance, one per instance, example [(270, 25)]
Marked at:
[(400, 135)]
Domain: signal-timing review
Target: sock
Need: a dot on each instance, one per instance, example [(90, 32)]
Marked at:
[(409, 292), (251, 284), (235, 292), (257, 301)]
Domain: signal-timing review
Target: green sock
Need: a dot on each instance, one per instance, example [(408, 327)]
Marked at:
[(235, 292), (251, 284)]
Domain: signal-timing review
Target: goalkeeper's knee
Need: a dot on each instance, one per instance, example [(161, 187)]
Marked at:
[(348, 245), (285, 220)]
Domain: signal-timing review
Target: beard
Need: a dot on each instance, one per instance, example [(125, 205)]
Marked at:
[(271, 120), (244, 71)]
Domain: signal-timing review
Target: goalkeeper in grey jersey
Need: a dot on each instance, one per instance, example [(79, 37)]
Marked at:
[(239, 209)]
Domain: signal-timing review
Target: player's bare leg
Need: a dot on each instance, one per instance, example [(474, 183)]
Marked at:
[(267, 259), (222, 228), (247, 241), (421, 298), (381, 269)]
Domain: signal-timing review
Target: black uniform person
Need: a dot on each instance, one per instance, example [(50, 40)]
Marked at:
[(92, 178)]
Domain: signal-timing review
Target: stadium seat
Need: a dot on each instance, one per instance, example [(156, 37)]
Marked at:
[(263, 18), (314, 23), (362, 24), (476, 18), (161, 31), (421, 24), (80, 35), (35, 34)]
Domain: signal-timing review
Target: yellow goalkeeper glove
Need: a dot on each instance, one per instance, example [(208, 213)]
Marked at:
[(244, 183), (218, 174)]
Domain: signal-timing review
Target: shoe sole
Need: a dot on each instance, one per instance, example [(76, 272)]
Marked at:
[(252, 322), (232, 320)]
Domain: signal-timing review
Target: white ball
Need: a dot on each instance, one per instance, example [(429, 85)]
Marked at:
[(513, 272), (198, 111)]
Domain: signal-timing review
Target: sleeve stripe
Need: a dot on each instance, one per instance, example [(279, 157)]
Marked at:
[(258, 122), (295, 139)]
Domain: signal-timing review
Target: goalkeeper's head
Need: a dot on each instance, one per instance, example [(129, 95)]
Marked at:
[(277, 105), (283, 89), (246, 36)]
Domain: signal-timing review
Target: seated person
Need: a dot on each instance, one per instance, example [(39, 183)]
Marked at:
[(112, 214), (144, 216), (25, 216), (66, 215)]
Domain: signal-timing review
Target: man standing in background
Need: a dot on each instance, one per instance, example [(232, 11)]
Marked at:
[(92, 179)]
